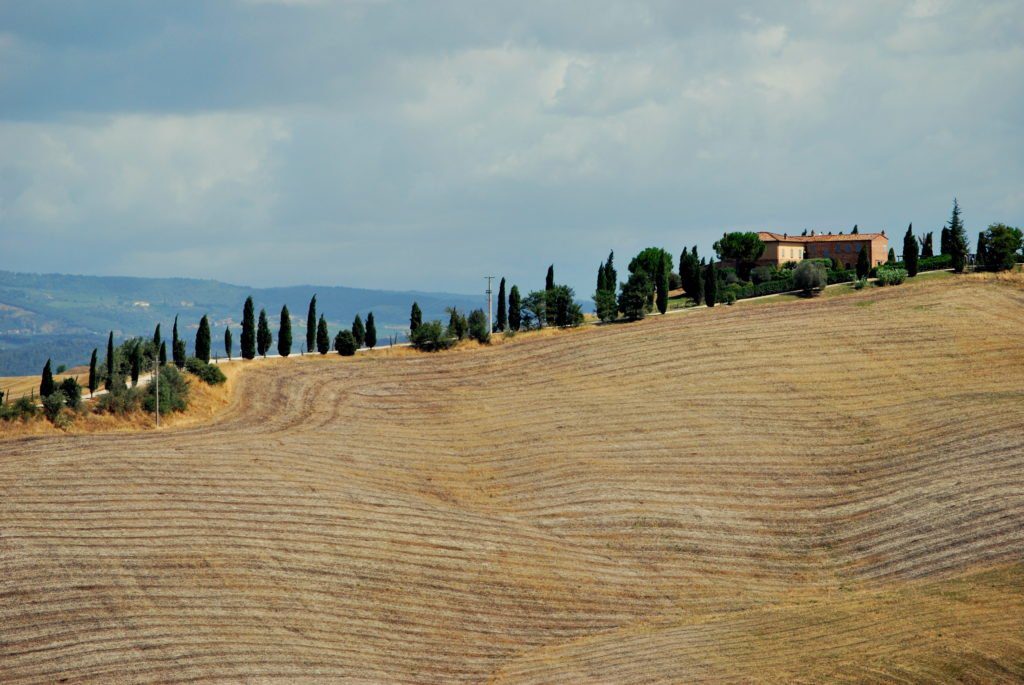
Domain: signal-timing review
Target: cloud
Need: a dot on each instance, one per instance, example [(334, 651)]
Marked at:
[(417, 146)]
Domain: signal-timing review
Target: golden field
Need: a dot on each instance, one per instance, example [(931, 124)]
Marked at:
[(824, 490)]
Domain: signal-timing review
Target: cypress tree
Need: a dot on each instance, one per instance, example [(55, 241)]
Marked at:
[(179, 354), (910, 251), (855, 230), (944, 241), (203, 340), (284, 334), (610, 276), (927, 248), (249, 330), (227, 342), (549, 282), (863, 264), (263, 337), (163, 353), (177, 346), (156, 339), (108, 382), (323, 341), (957, 240), (710, 285), (661, 284), (46, 386), (982, 249), (358, 331), (502, 313), (93, 380), (892, 256), (415, 318), (311, 325), (371, 331), (602, 280), (136, 360), (515, 316)]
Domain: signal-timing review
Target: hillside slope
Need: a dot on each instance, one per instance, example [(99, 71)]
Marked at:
[(826, 490)]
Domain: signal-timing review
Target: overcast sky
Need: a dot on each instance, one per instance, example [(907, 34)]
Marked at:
[(422, 145)]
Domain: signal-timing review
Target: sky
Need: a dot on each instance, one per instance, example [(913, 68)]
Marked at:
[(425, 145)]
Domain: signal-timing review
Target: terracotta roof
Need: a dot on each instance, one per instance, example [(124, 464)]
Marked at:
[(817, 238)]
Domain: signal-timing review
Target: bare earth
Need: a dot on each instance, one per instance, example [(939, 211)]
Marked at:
[(825, 490)]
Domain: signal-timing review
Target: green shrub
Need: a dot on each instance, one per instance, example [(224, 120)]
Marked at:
[(54, 403), (761, 274), (120, 400), (810, 277), (890, 275), (345, 343), (431, 337), (72, 391), (841, 276), (173, 391), (730, 297), (23, 408), (478, 326), (860, 283), (207, 373), (767, 288)]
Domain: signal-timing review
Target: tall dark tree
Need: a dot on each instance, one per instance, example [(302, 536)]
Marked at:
[(979, 259), (136, 363), (323, 340), (611, 278), (415, 318), (203, 340), (661, 286), (957, 239), (162, 360), (502, 312), (177, 346), (602, 281), (108, 382), (249, 330), (635, 294), (855, 230), (863, 263), (284, 334), (710, 285), (927, 248), (657, 264), (358, 331), (263, 338), (892, 256), (371, 331), (549, 281), (94, 381), (910, 251), (179, 353), (515, 315), (745, 248), (156, 339), (311, 325), (228, 342), (46, 386), (944, 247)]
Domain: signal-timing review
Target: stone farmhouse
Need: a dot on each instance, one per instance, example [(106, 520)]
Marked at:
[(780, 248)]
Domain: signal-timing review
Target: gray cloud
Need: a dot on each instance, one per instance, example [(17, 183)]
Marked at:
[(420, 145)]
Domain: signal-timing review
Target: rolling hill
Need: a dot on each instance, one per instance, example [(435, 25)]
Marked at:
[(63, 317), (829, 490)]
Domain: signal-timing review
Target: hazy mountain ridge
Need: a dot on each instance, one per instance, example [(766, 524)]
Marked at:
[(63, 317)]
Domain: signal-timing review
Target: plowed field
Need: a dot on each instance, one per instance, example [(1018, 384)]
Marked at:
[(821, 490)]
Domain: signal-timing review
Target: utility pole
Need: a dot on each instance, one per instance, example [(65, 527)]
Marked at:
[(490, 326), (156, 379)]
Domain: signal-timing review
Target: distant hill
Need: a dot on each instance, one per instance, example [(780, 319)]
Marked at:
[(63, 317)]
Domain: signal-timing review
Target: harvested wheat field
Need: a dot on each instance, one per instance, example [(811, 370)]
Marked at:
[(829, 490)]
